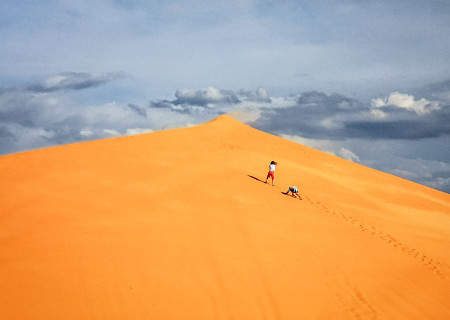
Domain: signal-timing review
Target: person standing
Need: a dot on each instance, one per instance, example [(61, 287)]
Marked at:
[(271, 172)]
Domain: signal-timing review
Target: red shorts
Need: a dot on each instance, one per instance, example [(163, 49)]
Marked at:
[(271, 174)]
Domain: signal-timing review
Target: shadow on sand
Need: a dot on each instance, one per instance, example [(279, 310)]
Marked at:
[(296, 197), (256, 179)]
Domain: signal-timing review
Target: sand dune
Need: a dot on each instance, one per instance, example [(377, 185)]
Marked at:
[(178, 225)]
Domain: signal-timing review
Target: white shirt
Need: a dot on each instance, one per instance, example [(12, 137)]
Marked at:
[(272, 167)]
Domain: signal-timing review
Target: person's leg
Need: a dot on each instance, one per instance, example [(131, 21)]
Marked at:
[(270, 174)]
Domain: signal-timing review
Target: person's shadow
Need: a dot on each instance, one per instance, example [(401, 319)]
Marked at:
[(297, 196), (256, 179)]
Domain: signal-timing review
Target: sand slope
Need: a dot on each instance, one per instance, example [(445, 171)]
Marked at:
[(177, 225)]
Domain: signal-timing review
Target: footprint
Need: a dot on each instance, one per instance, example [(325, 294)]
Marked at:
[(435, 266)]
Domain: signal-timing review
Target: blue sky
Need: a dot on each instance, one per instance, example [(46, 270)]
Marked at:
[(371, 77)]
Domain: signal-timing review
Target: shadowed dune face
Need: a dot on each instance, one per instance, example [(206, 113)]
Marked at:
[(179, 225)]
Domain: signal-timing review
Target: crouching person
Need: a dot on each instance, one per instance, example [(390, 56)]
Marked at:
[(293, 192)]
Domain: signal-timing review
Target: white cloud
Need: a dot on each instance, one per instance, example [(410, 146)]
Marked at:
[(407, 102), (86, 133), (111, 132), (208, 93), (378, 114), (260, 95), (348, 155), (135, 131), (379, 102)]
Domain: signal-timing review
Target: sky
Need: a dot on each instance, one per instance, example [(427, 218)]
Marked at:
[(368, 81)]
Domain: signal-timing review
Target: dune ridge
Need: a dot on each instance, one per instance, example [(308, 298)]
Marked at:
[(178, 224)]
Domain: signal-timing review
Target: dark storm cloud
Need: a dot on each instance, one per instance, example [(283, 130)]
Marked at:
[(307, 117), (316, 115), (204, 101), (413, 126), (210, 100), (205, 96)]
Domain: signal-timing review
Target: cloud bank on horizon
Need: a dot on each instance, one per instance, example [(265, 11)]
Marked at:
[(398, 134), (369, 82)]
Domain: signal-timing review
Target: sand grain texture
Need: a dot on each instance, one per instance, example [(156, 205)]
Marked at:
[(177, 225)]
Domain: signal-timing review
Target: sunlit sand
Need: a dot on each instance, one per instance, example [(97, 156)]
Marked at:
[(179, 224)]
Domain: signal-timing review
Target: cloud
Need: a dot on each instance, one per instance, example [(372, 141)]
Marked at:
[(413, 160), (286, 47), (402, 134), (407, 102), (313, 114), (232, 45), (31, 118), (44, 114), (86, 133), (211, 101), (348, 155), (138, 110), (204, 97), (321, 116), (439, 183), (260, 95), (432, 173), (401, 125), (111, 132), (32, 109), (439, 91), (391, 135), (74, 81), (135, 131)]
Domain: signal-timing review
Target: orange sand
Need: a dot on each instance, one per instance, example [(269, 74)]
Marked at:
[(175, 225)]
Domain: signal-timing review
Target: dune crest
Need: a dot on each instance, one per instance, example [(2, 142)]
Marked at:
[(178, 224)]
